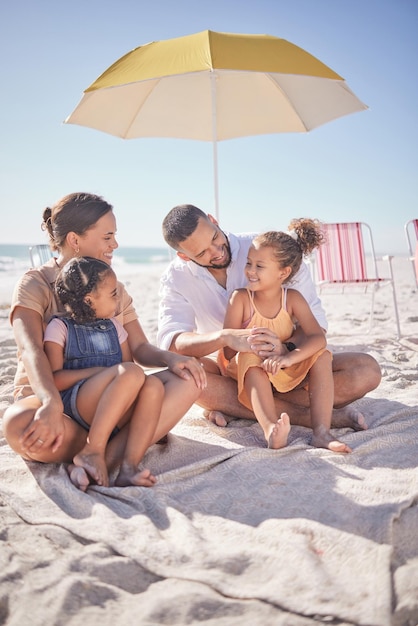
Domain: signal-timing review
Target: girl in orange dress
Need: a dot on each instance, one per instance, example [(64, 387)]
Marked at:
[(269, 302)]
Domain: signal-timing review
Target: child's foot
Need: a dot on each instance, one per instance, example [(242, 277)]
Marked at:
[(95, 466), (216, 417), (326, 440), (348, 417), (78, 477), (279, 433), (129, 475)]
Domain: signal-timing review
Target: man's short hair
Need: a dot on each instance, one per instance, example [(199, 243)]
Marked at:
[(180, 223)]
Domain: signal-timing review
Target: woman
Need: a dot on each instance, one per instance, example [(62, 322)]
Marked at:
[(35, 427)]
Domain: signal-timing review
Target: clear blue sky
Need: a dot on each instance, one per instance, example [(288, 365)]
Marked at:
[(361, 167)]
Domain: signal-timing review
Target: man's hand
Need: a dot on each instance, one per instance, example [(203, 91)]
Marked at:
[(237, 339)]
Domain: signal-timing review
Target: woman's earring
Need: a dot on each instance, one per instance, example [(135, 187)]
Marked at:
[(77, 251)]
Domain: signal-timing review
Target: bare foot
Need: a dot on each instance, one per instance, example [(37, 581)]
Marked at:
[(324, 439), (348, 417), (78, 477), (216, 417), (130, 475), (95, 466), (279, 433)]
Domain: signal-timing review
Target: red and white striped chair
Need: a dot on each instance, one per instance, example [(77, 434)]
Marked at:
[(411, 232), (341, 263)]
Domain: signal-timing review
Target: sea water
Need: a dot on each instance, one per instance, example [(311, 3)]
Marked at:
[(15, 260)]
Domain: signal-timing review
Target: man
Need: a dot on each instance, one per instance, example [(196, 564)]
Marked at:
[(195, 290)]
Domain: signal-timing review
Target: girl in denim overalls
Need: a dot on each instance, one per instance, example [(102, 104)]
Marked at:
[(101, 387)]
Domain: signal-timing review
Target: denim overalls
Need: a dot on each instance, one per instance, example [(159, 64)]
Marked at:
[(91, 344)]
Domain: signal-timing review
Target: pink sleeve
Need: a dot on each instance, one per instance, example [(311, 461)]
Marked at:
[(122, 333), (56, 331)]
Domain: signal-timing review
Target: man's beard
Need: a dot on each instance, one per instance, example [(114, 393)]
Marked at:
[(224, 265)]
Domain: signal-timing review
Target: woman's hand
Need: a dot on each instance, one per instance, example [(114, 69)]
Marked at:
[(265, 343), (186, 367), (46, 430)]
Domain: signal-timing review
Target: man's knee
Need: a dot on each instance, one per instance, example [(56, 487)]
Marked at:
[(372, 371), (362, 370)]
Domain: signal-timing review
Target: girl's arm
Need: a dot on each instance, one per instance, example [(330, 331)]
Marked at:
[(314, 337), (234, 317), (64, 379)]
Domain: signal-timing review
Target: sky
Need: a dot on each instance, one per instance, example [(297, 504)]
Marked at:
[(362, 167)]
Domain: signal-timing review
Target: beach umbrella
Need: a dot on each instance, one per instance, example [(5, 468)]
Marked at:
[(213, 86)]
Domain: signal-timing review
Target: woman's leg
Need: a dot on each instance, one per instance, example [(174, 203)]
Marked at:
[(179, 396), (258, 388)]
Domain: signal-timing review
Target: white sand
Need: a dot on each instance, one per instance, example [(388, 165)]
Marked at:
[(232, 533)]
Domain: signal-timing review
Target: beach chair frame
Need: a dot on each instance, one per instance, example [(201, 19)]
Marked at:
[(39, 254), (411, 233), (341, 265)]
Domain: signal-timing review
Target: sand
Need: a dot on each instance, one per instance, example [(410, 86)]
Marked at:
[(232, 533)]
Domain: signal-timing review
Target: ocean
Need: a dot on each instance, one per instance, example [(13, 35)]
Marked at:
[(14, 261)]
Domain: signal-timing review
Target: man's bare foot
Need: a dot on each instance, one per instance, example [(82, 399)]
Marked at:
[(78, 477), (324, 439), (131, 475), (348, 417), (279, 433), (216, 417), (95, 466)]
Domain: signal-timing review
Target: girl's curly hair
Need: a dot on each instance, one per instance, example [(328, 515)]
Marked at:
[(77, 279), (289, 248)]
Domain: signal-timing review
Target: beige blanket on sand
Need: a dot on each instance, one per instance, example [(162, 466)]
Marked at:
[(247, 535)]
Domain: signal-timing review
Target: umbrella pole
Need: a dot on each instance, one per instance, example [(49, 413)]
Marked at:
[(215, 178), (215, 144)]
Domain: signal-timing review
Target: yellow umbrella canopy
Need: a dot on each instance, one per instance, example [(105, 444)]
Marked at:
[(213, 86)]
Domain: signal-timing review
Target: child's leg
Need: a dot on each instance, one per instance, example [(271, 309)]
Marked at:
[(258, 388), (142, 427), (103, 402), (321, 395)]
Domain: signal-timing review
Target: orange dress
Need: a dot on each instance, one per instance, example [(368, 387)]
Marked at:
[(285, 379)]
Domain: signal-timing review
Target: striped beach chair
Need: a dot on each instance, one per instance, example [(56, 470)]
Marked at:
[(411, 232), (341, 264)]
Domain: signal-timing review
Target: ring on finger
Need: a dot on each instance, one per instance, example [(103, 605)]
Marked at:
[(41, 440), (272, 347)]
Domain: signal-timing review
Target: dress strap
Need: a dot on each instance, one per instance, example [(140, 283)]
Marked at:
[(284, 298)]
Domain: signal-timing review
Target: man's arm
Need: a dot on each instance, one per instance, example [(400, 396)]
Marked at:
[(177, 328), (199, 345)]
